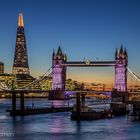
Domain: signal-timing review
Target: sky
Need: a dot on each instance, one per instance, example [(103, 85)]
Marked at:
[(90, 29)]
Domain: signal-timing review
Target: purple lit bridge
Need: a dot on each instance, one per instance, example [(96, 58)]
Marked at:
[(60, 64)]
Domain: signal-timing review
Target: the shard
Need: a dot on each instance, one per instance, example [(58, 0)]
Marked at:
[(20, 64)]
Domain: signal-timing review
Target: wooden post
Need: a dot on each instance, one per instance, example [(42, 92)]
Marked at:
[(78, 106), (22, 103), (83, 99), (13, 103)]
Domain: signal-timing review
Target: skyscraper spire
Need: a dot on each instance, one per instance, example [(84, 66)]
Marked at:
[(20, 65), (20, 20)]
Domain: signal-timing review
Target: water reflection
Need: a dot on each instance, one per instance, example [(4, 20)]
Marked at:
[(59, 126)]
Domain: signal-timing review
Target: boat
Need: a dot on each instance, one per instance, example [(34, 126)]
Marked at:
[(87, 113)]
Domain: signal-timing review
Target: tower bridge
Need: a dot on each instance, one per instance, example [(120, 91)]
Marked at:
[(60, 64)]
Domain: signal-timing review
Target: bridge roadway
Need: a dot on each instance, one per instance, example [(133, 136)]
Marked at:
[(72, 91), (89, 63), (41, 91)]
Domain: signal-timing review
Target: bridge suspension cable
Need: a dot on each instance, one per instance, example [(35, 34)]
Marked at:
[(1, 86), (38, 80), (133, 74)]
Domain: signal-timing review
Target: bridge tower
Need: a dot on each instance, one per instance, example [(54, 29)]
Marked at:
[(59, 71), (121, 59)]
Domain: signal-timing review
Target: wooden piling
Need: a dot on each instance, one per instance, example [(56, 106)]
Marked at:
[(78, 106), (22, 102), (13, 102)]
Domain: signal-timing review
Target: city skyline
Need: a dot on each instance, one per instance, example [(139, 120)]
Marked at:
[(47, 31)]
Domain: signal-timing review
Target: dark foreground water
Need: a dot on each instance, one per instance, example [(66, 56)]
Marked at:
[(59, 126)]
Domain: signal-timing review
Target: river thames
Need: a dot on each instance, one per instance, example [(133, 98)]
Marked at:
[(59, 126)]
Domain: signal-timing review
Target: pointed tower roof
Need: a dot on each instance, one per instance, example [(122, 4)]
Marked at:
[(20, 20), (59, 51), (53, 53), (121, 49), (65, 57), (125, 51)]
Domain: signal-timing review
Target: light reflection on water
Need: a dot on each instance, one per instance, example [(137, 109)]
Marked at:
[(59, 126)]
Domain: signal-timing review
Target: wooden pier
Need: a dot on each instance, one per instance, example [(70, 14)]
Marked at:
[(41, 110), (23, 110)]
